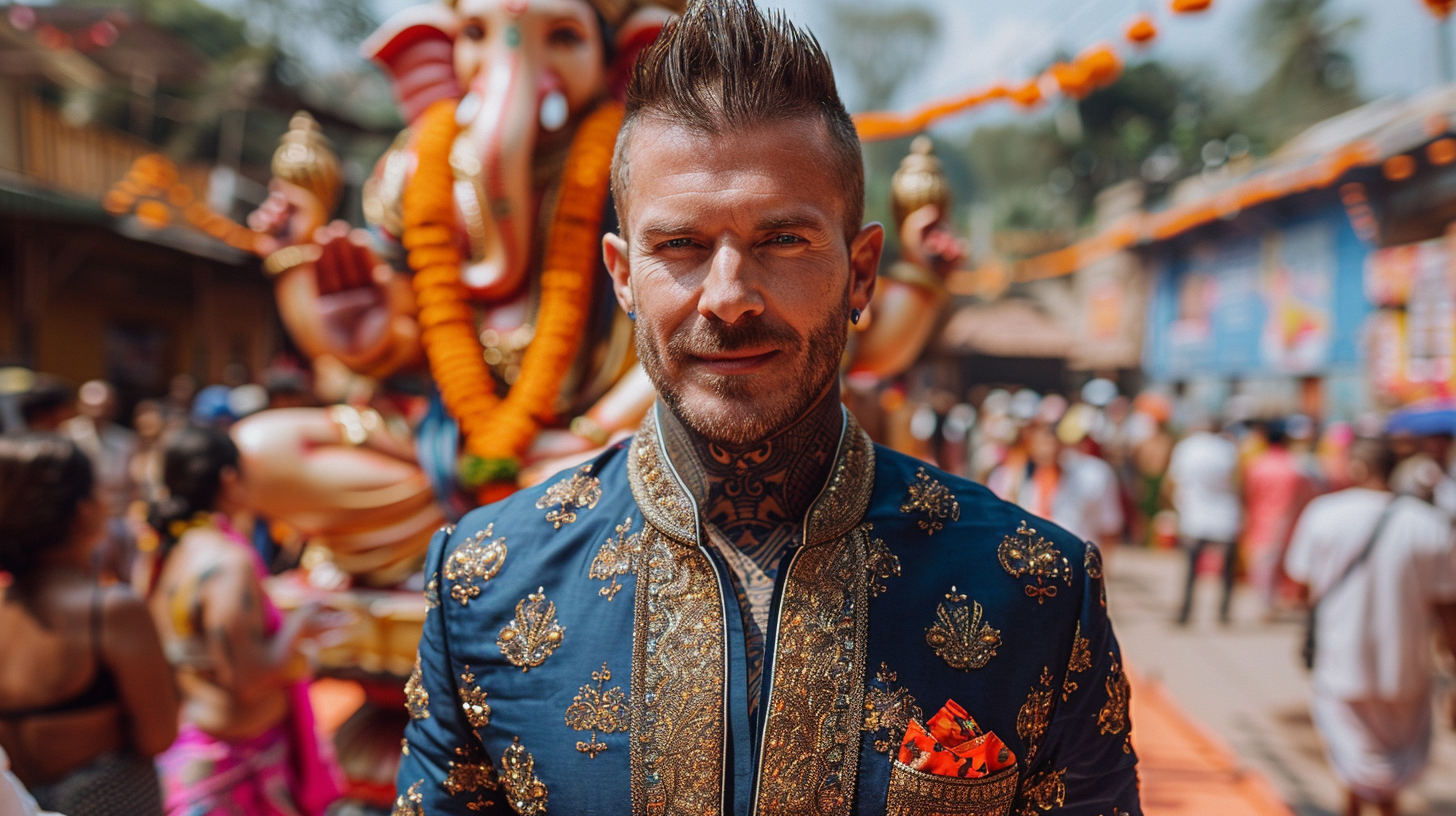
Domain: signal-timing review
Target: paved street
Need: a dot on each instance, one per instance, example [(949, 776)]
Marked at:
[(1227, 707)]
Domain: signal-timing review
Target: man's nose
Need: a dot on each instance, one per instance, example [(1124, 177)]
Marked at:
[(729, 290)]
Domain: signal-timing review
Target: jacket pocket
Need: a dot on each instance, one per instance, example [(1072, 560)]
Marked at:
[(916, 793)]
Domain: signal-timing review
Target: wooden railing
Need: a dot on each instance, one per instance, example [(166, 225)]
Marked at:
[(83, 161)]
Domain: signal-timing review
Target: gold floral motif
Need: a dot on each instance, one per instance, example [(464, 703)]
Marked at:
[(580, 490), (1080, 661), (1093, 564), (525, 792), (889, 709), (934, 500), (404, 747), (1043, 792), (960, 638), (534, 633), (411, 802), (1026, 553), (473, 773), (473, 701), (476, 561), (678, 666), (615, 559), (432, 592), (416, 698), (880, 564), (597, 709), (816, 698), (917, 793), (1113, 718), (1036, 714)]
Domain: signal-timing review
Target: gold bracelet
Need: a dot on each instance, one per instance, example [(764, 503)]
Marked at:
[(590, 430), (291, 256)]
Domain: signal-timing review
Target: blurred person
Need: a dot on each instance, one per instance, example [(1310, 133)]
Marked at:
[(1333, 455), (111, 446), (288, 387), (1203, 481), (1150, 447), (145, 469), (47, 404), (1062, 485), (15, 800), (1275, 490), (1381, 570), (86, 696), (177, 407), (247, 743)]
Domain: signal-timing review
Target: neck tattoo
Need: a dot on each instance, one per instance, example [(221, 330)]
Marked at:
[(757, 494)]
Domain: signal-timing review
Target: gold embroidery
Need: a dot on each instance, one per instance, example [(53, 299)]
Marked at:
[(880, 563), (846, 496), (1026, 553), (411, 802), (404, 747), (597, 709), (659, 495), (473, 701), (476, 561), (448, 530), (960, 638), (889, 709), (580, 490), (1036, 714), (525, 791), (917, 793), (816, 700), (1093, 564), (677, 682), (614, 559), (1113, 718), (1043, 792), (432, 592), (934, 500), (534, 633), (953, 596), (416, 698), (1080, 661), (474, 773)]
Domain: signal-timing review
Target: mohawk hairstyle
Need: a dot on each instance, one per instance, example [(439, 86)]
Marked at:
[(725, 66)]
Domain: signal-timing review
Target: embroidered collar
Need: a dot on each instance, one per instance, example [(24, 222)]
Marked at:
[(669, 506)]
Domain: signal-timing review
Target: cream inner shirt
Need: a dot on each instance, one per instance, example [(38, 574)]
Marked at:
[(1375, 629)]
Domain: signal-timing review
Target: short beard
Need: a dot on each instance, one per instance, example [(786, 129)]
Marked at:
[(759, 419)]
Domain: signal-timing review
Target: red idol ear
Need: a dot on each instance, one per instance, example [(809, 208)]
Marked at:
[(416, 47), (634, 35)]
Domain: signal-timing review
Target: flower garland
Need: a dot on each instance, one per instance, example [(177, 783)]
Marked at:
[(499, 431)]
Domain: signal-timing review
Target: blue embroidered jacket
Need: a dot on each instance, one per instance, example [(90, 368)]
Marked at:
[(583, 653)]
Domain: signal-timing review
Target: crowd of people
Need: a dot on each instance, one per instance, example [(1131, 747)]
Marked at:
[(145, 670), (1347, 525)]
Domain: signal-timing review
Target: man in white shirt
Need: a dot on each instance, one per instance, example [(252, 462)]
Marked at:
[(1373, 668), (1203, 473)]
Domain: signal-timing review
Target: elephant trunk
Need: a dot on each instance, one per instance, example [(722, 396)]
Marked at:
[(493, 159)]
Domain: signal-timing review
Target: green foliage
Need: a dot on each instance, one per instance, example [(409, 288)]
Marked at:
[(1312, 76)]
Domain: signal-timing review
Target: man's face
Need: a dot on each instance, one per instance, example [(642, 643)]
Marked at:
[(734, 257)]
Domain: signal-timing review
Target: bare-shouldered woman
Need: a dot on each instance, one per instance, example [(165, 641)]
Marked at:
[(246, 743), (86, 696)]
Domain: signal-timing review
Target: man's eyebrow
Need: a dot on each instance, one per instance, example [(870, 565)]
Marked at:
[(793, 221), (657, 230)]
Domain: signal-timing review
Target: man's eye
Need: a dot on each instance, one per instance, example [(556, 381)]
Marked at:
[(785, 239), (678, 243)]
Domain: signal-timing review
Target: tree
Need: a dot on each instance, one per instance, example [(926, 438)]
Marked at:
[(1312, 76)]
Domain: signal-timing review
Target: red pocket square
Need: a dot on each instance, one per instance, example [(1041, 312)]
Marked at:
[(954, 746)]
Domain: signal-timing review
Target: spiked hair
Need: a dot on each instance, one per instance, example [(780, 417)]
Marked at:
[(725, 66)]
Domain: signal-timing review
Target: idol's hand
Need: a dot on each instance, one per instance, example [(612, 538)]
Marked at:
[(927, 241), (288, 216)]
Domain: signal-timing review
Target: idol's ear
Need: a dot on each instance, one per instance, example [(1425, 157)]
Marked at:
[(638, 31), (416, 47)]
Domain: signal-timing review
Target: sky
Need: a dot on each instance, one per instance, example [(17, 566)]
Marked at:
[(983, 41)]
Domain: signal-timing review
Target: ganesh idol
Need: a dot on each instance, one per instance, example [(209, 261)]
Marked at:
[(477, 284)]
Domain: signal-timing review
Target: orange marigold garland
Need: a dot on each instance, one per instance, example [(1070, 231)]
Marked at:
[(499, 431)]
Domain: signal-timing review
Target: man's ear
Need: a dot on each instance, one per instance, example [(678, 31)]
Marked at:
[(864, 264), (615, 256)]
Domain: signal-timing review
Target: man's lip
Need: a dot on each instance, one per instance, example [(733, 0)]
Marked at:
[(738, 362)]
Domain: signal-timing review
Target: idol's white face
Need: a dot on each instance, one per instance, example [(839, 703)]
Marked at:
[(733, 255)]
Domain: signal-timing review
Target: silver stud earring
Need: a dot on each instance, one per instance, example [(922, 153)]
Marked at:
[(632, 316)]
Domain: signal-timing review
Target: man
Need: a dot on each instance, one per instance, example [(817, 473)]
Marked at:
[(1373, 672), (1202, 477), (749, 608)]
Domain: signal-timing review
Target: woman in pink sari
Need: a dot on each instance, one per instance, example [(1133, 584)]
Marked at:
[(247, 745)]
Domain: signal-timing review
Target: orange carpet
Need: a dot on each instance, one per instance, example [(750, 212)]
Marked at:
[(1188, 771)]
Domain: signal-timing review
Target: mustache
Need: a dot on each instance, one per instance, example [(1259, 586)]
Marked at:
[(716, 337)]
